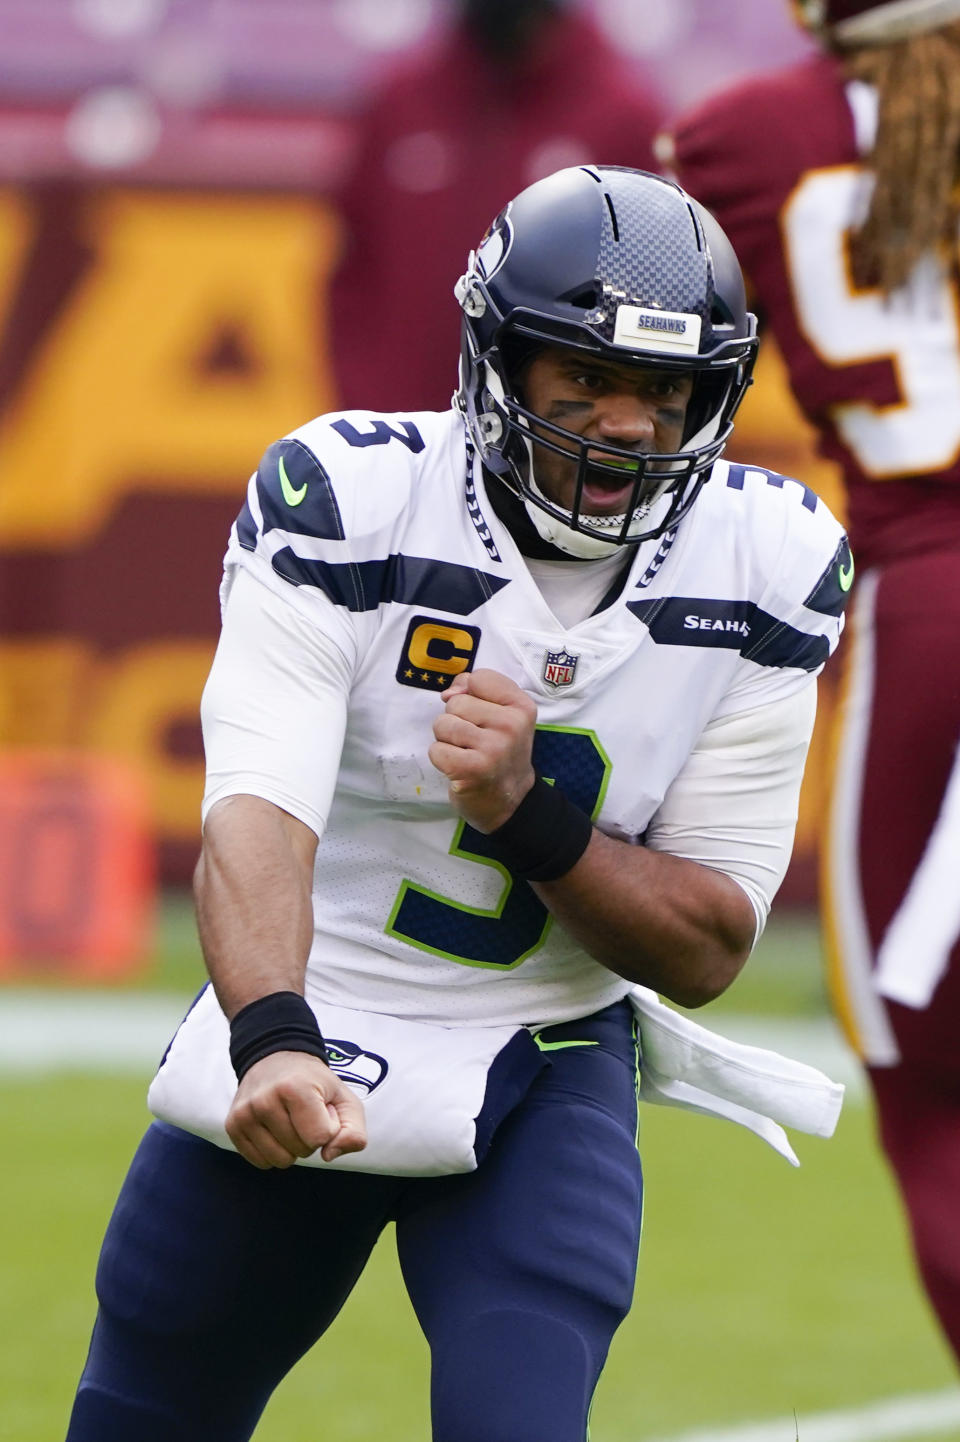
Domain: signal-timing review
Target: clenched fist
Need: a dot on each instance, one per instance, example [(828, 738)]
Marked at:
[(483, 745), (289, 1105)]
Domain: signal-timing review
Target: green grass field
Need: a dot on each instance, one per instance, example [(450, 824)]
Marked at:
[(761, 1289)]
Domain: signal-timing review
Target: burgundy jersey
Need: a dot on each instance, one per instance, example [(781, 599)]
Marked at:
[(778, 160), (450, 138)]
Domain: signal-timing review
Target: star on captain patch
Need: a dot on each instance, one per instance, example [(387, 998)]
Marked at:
[(559, 669)]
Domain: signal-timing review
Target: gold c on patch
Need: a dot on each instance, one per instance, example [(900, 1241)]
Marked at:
[(434, 652)]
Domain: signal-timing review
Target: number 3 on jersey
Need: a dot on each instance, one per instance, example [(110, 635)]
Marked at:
[(916, 330), (518, 925)]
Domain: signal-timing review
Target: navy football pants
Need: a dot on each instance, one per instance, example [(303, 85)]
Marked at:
[(215, 1277)]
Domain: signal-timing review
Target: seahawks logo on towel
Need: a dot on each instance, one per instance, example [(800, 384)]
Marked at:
[(358, 1067)]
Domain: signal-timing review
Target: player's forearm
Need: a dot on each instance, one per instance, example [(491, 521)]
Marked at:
[(252, 888), (673, 925)]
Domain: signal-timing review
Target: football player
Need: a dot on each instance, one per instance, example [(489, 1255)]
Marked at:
[(836, 179), (508, 715)]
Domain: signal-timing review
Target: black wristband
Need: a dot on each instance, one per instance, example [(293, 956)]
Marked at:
[(545, 836), (281, 1021)]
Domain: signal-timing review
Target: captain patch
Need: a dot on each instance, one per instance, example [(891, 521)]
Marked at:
[(434, 652)]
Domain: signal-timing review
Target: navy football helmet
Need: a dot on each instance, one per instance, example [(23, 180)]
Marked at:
[(619, 264), (873, 22)]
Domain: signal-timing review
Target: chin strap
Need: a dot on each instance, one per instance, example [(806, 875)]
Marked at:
[(516, 516), (573, 543)]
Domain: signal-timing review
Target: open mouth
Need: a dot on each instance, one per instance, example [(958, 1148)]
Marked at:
[(605, 491)]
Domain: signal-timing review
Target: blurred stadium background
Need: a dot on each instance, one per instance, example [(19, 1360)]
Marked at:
[(169, 227)]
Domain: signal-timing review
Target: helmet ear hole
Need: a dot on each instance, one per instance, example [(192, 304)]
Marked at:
[(720, 314)]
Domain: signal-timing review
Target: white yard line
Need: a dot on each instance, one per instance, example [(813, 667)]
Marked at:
[(85, 1031), (919, 1414)]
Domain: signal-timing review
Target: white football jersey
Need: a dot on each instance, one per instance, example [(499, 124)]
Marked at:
[(377, 531)]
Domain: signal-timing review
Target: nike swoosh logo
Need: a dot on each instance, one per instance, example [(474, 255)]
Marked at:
[(292, 497), (559, 1045), (845, 576)]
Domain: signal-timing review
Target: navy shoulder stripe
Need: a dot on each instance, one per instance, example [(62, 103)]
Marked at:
[(832, 591), (296, 494), (734, 626), (409, 580)]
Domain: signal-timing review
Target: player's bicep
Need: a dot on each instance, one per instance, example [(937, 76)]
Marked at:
[(274, 707)]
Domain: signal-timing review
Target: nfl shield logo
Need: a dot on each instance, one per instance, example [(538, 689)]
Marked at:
[(559, 668)]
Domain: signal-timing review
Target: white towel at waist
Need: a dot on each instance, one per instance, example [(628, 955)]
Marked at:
[(685, 1065)]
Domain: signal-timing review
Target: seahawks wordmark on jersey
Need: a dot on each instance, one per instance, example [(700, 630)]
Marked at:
[(375, 530)]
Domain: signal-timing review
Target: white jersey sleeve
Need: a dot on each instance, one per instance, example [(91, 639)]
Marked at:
[(274, 707), (733, 806)]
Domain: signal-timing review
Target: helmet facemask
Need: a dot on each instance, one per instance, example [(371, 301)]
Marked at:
[(665, 485)]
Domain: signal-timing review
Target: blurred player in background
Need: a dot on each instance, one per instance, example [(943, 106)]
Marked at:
[(509, 714), (836, 180), (513, 90)]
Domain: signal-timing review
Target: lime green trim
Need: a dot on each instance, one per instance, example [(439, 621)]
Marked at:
[(473, 911), (559, 1045), (493, 914), (845, 576)]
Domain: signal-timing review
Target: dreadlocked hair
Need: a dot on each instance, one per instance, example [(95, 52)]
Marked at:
[(914, 206)]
